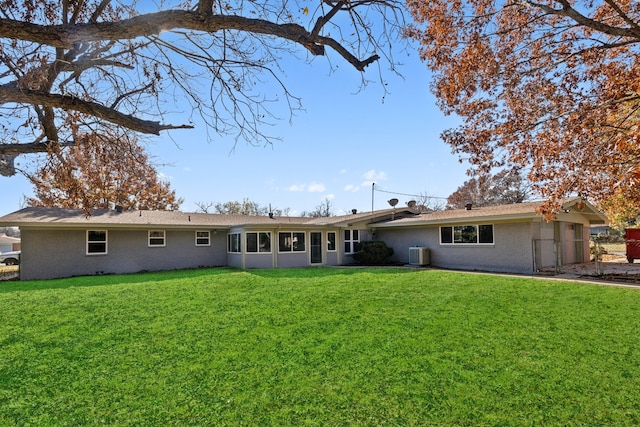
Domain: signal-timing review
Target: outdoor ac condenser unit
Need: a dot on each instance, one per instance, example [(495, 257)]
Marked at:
[(419, 256)]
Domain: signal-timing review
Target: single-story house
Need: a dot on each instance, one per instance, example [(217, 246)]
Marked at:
[(8, 243), (511, 238)]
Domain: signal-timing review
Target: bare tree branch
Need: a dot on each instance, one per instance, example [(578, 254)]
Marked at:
[(568, 11), (66, 36), (9, 93), (78, 66)]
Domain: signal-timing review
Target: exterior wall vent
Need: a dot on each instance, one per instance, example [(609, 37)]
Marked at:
[(419, 256)]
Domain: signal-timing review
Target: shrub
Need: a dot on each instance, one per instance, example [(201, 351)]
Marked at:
[(372, 253)]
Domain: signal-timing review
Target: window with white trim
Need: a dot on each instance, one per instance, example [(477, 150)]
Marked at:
[(331, 241), (351, 239), (258, 242), (467, 234), (291, 242), (203, 238), (96, 242), (233, 243), (157, 238)]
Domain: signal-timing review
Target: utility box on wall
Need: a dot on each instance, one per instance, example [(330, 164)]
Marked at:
[(419, 256)]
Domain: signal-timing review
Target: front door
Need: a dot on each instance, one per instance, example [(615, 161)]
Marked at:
[(316, 247)]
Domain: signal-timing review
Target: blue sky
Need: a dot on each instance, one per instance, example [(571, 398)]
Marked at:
[(345, 139)]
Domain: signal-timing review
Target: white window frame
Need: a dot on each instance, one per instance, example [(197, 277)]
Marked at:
[(350, 240), (198, 238), (291, 235), (477, 234), (238, 239), (156, 237), (259, 249), (105, 241)]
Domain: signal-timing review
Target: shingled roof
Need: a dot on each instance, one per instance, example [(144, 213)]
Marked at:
[(56, 217), (41, 216), (516, 211)]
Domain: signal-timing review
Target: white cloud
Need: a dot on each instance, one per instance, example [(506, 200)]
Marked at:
[(343, 171), (316, 188), (330, 196), (351, 188), (272, 184), (313, 187), (374, 175)]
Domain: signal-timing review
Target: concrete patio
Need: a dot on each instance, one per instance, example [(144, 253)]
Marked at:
[(612, 267)]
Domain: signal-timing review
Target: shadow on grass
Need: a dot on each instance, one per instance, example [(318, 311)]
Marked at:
[(325, 271), (111, 279), (160, 276)]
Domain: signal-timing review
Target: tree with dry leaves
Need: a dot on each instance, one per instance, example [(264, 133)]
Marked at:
[(504, 188), (621, 211), (101, 173), (552, 86), (72, 67)]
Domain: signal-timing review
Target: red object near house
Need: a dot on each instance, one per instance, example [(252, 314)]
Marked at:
[(632, 239)]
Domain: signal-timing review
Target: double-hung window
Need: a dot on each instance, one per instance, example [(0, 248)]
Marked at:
[(291, 242), (96, 242), (466, 234), (351, 238), (203, 238), (233, 242), (331, 241), (258, 242), (157, 238)]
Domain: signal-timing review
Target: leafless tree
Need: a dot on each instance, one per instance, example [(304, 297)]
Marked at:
[(426, 202), (324, 209), (72, 67)]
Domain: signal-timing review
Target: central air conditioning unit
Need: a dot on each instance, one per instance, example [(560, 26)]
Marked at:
[(419, 256)]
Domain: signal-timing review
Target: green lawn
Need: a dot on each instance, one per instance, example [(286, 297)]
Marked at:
[(321, 346)]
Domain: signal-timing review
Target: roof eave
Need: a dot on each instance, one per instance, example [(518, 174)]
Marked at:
[(459, 220)]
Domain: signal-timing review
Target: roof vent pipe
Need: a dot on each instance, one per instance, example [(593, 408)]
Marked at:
[(354, 211), (271, 215), (468, 206)]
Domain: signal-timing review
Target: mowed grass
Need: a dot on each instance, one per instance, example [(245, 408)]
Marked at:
[(320, 346)]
